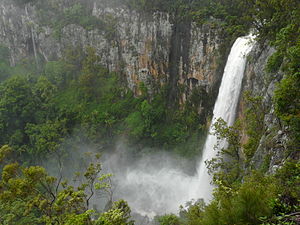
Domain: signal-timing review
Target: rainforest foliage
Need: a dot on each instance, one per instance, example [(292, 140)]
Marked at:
[(39, 111), (248, 197), (48, 108), (30, 196), (47, 112)]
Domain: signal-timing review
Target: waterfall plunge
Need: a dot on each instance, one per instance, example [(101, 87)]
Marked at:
[(225, 107), (155, 185)]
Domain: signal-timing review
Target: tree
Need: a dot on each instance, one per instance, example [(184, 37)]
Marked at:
[(46, 138), (92, 74), (193, 212), (119, 214), (241, 204), (253, 123), (18, 106), (28, 195), (169, 219), (226, 168), (59, 72)]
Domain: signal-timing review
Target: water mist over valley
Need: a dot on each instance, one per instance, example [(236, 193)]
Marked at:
[(149, 112)]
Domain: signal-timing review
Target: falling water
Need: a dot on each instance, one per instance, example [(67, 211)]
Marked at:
[(156, 183), (225, 106)]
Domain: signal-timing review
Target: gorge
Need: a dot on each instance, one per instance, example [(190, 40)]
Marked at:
[(166, 186), (153, 102)]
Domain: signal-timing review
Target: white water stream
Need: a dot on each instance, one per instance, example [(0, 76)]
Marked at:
[(225, 107), (156, 185)]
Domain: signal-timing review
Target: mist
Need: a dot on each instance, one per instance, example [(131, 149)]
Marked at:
[(153, 184)]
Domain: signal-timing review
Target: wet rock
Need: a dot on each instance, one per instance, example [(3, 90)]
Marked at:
[(135, 43)]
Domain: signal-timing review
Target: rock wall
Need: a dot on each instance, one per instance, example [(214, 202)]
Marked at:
[(152, 49), (271, 151)]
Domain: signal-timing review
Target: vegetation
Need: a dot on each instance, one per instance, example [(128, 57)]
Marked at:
[(52, 14), (28, 195), (39, 112), (280, 25), (256, 199), (254, 122), (76, 98)]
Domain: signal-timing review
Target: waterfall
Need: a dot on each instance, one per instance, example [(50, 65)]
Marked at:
[(156, 183), (225, 107)]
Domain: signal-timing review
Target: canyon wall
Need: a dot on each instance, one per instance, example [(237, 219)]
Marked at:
[(272, 146), (149, 48), (153, 49)]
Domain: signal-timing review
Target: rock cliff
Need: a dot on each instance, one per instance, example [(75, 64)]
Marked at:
[(149, 48), (272, 149), (153, 49)]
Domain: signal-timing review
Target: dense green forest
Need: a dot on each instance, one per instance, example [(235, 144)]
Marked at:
[(48, 108)]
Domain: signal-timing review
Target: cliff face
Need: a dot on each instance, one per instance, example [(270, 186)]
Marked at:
[(151, 49), (272, 148)]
